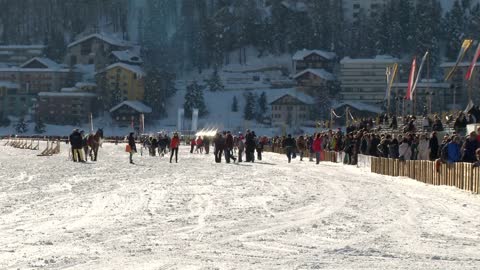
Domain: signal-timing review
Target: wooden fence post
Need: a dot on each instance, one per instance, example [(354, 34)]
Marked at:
[(476, 180)]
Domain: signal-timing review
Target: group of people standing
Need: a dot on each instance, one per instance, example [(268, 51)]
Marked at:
[(227, 145), (161, 143)]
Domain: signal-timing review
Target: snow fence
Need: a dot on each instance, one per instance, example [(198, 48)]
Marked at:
[(460, 175)]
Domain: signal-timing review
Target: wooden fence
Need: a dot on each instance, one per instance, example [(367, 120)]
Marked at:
[(461, 175)]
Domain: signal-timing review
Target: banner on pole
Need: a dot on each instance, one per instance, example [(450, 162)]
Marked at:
[(180, 115), (472, 66), (467, 43), (195, 120), (424, 59), (411, 80)]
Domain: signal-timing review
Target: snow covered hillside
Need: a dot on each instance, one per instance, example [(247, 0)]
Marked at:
[(56, 214)]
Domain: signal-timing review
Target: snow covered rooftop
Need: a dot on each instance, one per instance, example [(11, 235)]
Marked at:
[(300, 55), (66, 94), (294, 93), (105, 37), (127, 56), (134, 104), (69, 89), (9, 85), (359, 106), (136, 69), (322, 73), (85, 84), (22, 47), (47, 62), (380, 59)]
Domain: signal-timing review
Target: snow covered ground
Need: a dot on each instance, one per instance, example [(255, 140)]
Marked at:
[(56, 214)]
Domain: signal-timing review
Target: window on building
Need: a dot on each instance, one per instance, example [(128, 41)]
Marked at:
[(73, 59)]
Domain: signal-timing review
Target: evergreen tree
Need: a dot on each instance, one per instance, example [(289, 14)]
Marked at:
[(21, 126), (39, 126), (249, 111), (194, 100), (454, 26), (428, 16), (56, 47), (215, 82), (235, 104), (262, 103), (159, 87)]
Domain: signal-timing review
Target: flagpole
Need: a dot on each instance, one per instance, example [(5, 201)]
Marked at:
[(331, 119)]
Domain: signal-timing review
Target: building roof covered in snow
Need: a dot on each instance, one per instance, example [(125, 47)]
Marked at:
[(43, 61), (127, 56), (85, 84), (302, 97), (300, 55), (134, 104), (358, 105), (135, 69), (66, 94), (380, 59), (112, 40), (22, 47), (322, 73)]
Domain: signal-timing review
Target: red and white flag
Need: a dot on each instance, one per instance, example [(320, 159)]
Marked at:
[(411, 80), (469, 74)]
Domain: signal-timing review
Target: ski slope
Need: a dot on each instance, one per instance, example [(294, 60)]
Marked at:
[(56, 214)]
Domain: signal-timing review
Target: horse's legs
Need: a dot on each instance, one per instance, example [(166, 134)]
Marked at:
[(95, 152)]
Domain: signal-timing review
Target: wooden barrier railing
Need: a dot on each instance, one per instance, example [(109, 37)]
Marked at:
[(461, 175)]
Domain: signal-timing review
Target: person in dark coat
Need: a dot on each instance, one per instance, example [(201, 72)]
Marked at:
[(206, 143), (219, 143), (163, 143), (469, 148), (289, 146), (250, 145), (229, 147), (373, 145), (393, 151), (76, 143), (133, 146), (433, 146)]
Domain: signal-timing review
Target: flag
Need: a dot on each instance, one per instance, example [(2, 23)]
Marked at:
[(467, 43), (391, 74), (424, 59), (411, 79), (468, 76)]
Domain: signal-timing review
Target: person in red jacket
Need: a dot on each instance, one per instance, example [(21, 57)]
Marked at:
[(174, 144), (317, 147)]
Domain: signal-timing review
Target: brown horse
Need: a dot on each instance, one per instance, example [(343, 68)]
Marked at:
[(94, 142)]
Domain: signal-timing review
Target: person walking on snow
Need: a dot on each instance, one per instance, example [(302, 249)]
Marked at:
[(133, 146), (317, 147), (174, 144), (289, 146)]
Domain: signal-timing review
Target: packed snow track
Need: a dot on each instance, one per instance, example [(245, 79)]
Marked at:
[(56, 214)]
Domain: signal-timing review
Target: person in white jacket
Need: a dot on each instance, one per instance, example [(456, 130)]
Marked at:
[(423, 148), (405, 150)]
